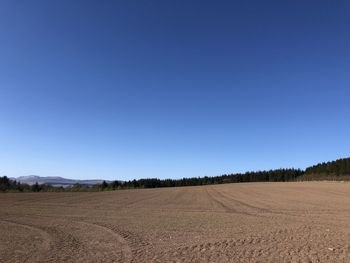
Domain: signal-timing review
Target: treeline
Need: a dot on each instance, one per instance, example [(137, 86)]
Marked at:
[(339, 167), (336, 170), (8, 185), (280, 175)]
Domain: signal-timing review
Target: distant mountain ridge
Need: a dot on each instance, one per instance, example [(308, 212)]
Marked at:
[(55, 181)]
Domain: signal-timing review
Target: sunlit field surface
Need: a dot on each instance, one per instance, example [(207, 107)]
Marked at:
[(255, 222)]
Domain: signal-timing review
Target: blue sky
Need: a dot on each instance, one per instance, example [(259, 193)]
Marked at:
[(171, 89)]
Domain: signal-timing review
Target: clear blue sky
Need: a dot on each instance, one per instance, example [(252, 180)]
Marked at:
[(170, 89)]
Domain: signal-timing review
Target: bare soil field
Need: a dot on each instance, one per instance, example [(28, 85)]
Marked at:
[(256, 222)]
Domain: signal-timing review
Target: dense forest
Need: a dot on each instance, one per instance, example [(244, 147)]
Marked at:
[(8, 185), (280, 175), (335, 170)]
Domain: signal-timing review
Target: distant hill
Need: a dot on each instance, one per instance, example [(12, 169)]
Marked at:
[(55, 181)]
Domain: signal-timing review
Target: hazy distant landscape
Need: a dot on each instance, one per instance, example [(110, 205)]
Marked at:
[(54, 181)]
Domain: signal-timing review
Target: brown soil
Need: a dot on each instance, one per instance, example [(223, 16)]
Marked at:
[(256, 222)]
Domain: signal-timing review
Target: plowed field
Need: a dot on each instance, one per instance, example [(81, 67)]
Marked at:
[(256, 222)]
